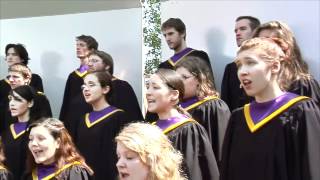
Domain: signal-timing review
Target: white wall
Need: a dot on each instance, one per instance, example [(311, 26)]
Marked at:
[(50, 41), (210, 27)]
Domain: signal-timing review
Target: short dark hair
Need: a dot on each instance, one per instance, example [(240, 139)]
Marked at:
[(20, 50), (254, 22), (89, 40), (175, 23)]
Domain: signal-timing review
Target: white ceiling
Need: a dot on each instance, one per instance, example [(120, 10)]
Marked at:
[(32, 8)]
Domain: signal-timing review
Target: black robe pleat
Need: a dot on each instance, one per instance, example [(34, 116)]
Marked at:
[(285, 148), (192, 141), (310, 88), (97, 144), (71, 91), (214, 116), (15, 152)]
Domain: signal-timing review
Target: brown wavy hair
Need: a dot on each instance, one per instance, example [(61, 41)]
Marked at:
[(200, 69), (66, 153), (298, 67)]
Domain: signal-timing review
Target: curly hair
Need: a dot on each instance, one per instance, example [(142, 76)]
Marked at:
[(272, 49), (66, 153), (154, 149), (299, 68)]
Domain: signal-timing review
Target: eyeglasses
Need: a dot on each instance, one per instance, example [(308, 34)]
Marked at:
[(89, 86)]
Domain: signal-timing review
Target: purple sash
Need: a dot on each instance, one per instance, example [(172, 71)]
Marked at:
[(18, 128), (166, 125), (258, 114), (82, 70), (189, 102), (95, 117), (45, 170), (194, 102), (175, 58)]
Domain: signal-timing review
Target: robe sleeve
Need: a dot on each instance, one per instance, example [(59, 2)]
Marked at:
[(36, 82), (199, 160), (76, 173), (213, 116)]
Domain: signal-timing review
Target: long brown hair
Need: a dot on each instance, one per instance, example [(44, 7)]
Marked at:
[(298, 67), (66, 153), (174, 81), (200, 69)]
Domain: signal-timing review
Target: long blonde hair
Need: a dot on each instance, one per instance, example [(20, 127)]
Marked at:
[(154, 149)]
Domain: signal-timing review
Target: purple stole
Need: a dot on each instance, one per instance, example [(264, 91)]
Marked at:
[(18, 128), (259, 114), (82, 70), (46, 172), (95, 117), (180, 55), (167, 125), (194, 102)]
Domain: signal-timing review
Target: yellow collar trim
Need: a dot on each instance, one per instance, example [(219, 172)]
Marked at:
[(13, 132), (80, 74), (89, 124), (3, 168), (254, 127), (35, 174), (200, 102), (174, 63), (176, 125)]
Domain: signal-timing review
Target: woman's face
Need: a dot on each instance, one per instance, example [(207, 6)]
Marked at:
[(190, 82), (42, 145), (254, 72), (159, 96), (18, 105), (12, 57), (92, 90), (130, 165)]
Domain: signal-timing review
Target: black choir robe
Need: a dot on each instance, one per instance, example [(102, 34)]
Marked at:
[(96, 143), (172, 61), (192, 141), (74, 172), (122, 96), (71, 90), (310, 88), (15, 148), (231, 93), (213, 114), (5, 174), (285, 148)]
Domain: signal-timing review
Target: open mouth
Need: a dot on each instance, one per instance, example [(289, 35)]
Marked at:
[(246, 83), (37, 153), (123, 175), (150, 101)]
